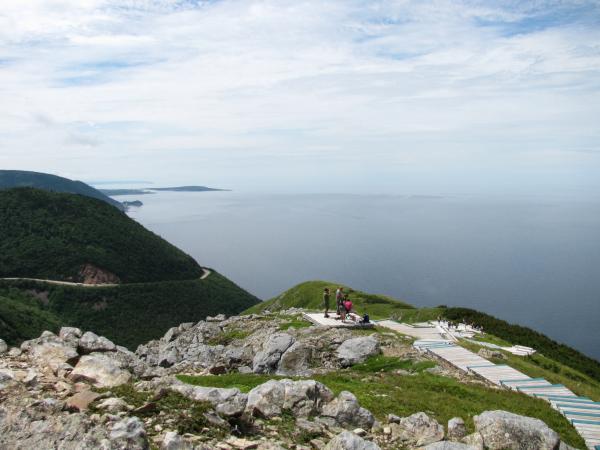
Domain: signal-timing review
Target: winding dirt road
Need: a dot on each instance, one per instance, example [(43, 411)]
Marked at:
[(205, 275)]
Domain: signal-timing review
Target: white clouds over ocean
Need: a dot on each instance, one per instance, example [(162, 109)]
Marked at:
[(266, 94)]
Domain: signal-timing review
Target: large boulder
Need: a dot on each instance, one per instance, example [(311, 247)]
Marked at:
[(129, 433), (53, 353), (296, 360), (3, 346), (350, 441), (357, 350), (303, 398), (100, 370), (417, 430), (91, 342), (43, 425), (266, 361), (456, 429), (174, 441), (227, 401), (505, 430), (447, 445), (70, 334), (346, 412)]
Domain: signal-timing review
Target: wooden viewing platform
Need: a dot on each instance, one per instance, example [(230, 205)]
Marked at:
[(334, 321)]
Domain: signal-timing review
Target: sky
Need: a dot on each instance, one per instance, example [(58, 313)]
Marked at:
[(423, 97)]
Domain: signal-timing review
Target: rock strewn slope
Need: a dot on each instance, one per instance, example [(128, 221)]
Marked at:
[(78, 390)]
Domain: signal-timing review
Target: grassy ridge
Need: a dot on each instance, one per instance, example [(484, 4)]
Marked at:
[(129, 314), (309, 295), (382, 391), (520, 335), (51, 236)]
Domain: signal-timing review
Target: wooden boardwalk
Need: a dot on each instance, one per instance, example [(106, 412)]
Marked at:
[(583, 413), (419, 331)]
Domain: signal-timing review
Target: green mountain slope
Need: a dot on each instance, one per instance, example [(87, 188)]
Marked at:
[(47, 182), (55, 236), (22, 316), (129, 314), (52, 236)]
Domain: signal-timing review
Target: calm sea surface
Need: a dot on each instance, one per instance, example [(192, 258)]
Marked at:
[(531, 261)]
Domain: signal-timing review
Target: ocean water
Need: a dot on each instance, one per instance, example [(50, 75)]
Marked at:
[(532, 261)]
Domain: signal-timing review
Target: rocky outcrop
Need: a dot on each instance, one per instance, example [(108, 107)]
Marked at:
[(417, 430), (228, 402), (505, 430), (346, 411), (357, 350), (448, 445), (207, 347), (91, 342), (296, 360), (303, 398), (90, 274), (267, 359), (101, 370), (48, 395), (456, 429), (350, 441)]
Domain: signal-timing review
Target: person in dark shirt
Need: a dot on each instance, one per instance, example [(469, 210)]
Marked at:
[(326, 301), (339, 299)]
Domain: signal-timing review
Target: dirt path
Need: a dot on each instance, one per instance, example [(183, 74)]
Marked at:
[(205, 275)]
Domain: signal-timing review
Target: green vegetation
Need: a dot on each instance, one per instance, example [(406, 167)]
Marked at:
[(228, 336), (382, 391), (53, 236), (520, 335), (293, 322), (188, 415), (22, 316), (309, 295), (131, 314), (21, 178), (245, 382), (382, 363)]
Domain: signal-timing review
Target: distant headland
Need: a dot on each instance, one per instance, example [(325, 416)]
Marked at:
[(145, 191)]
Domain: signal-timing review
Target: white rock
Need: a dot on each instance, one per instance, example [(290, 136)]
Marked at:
[(174, 441), (505, 430), (350, 441), (418, 429), (113, 405), (101, 370), (448, 445), (346, 411), (266, 361), (227, 401), (91, 342), (129, 433), (70, 333), (456, 429), (356, 350), (3, 346)]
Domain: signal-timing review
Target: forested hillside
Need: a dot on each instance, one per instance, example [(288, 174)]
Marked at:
[(21, 178), (56, 236)]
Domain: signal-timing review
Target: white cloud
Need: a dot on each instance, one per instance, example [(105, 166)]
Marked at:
[(176, 88)]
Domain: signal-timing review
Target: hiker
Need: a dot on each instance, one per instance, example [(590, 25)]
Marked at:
[(346, 309), (339, 299), (326, 301)]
